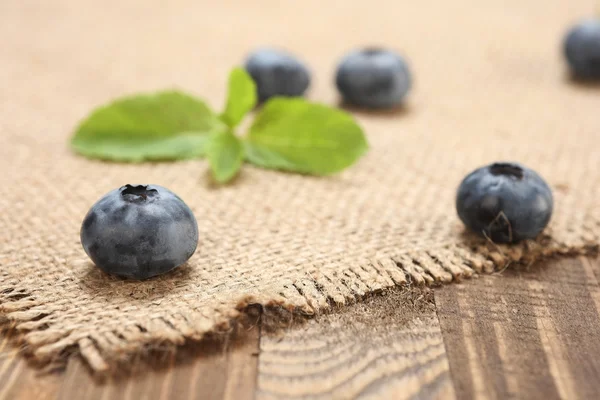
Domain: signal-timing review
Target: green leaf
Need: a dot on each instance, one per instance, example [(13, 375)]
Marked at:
[(241, 97), (168, 125), (295, 135), (266, 158), (225, 154)]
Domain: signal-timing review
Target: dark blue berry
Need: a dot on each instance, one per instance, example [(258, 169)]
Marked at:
[(373, 78), (582, 49), (277, 73), (139, 231), (506, 202)]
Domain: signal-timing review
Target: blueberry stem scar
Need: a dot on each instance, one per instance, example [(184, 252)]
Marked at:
[(506, 169), (139, 190), (371, 51)]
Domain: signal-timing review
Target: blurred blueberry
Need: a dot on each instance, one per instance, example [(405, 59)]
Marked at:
[(139, 231), (277, 73), (507, 202), (373, 78), (582, 49)]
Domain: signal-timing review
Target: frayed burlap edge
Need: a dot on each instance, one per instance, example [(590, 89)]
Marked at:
[(28, 317)]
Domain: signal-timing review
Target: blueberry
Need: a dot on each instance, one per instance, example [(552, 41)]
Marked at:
[(373, 78), (139, 231), (582, 49), (277, 73), (506, 202)]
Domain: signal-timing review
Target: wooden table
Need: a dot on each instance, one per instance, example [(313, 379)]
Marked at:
[(530, 333)]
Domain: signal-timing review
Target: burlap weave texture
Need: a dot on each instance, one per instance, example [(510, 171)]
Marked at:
[(489, 85)]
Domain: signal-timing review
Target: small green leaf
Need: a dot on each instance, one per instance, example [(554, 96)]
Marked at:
[(266, 158), (295, 135), (241, 97), (168, 125), (225, 154)]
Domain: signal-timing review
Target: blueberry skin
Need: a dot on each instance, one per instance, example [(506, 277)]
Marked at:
[(582, 49), (507, 202), (139, 231), (373, 78), (277, 73)]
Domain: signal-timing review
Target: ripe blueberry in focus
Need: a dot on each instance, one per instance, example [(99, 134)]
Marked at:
[(506, 202), (582, 49), (139, 231), (277, 73), (373, 78)]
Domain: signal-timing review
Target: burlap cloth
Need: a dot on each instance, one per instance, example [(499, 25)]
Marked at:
[(490, 85)]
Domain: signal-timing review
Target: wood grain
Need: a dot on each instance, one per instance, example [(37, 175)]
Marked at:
[(228, 373), (21, 381), (388, 347), (527, 333)]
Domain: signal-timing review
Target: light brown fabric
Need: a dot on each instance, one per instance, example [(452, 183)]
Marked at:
[(490, 85)]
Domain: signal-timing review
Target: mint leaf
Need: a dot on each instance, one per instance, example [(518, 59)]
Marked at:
[(295, 135), (241, 97), (266, 158), (179, 147), (167, 125), (225, 154)]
